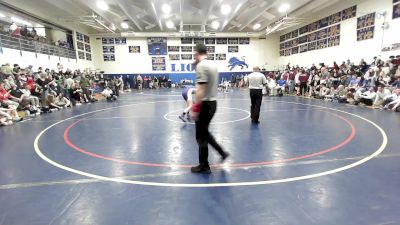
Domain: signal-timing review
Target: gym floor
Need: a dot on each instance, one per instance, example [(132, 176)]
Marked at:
[(127, 162)]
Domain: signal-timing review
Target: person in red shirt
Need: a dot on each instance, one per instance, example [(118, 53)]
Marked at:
[(303, 78), (291, 84), (335, 66), (5, 97)]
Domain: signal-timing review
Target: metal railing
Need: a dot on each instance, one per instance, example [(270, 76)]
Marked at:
[(22, 44)]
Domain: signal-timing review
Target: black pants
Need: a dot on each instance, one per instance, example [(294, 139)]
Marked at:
[(256, 99), (303, 88), (203, 136)]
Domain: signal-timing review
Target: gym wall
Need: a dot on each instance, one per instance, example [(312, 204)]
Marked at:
[(349, 47), (258, 52)]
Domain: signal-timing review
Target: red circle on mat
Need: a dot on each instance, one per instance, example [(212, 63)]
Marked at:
[(324, 151)]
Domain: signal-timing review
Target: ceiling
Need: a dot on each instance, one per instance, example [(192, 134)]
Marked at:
[(184, 15)]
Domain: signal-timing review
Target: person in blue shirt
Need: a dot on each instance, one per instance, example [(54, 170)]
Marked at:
[(281, 86)]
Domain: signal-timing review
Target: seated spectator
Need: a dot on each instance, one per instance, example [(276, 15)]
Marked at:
[(76, 95), (10, 113), (28, 97), (6, 69), (109, 94), (341, 94), (51, 101), (5, 98), (323, 91), (381, 94), (8, 82), (394, 101), (332, 94), (62, 101), (367, 97), (281, 86)]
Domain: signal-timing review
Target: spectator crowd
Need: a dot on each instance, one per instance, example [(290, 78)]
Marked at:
[(376, 85), (44, 90)]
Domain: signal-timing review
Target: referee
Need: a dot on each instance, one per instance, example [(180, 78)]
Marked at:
[(205, 107), (256, 81)]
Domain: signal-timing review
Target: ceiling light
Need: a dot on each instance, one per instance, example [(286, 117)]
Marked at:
[(170, 24), (284, 8), (2, 15), (124, 25), (225, 9), (256, 26), (112, 27), (237, 8), (102, 5), (215, 25), (166, 8)]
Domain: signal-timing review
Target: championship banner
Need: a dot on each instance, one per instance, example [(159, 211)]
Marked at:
[(322, 44), (244, 41), (324, 22), (157, 45), (108, 49), (186, 40), (210, 56), (120, 41), (349, 13), (198, 41), (220, 56), (303, 48), (313, 26), (134, 49), (108, 57), (107, 41), (334, 30), (222, 41), (80, 46), (303, 30), (303, 39), (322, 34), (366, 21), (79, 36), (335, 18), (312, 37), (333, 41), (174, 57), (312, 46), (365, 33), (158, 63), (88, 57), (81, 55), (186, 56), (295, 33), (233, 41), (87, 48), (210, 41), (295, 50), (396, 11), (233, 49), (210, 49), (174, 48), (86, 39), (186, 48)]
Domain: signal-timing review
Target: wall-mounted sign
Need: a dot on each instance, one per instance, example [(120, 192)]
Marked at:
[(134, 49), (108, 49), (158, 63), (120, 41)]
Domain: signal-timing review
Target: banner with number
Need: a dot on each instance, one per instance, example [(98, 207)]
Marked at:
[(158, 63)]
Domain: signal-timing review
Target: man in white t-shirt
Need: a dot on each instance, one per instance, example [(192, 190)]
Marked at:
[(256, 81)]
